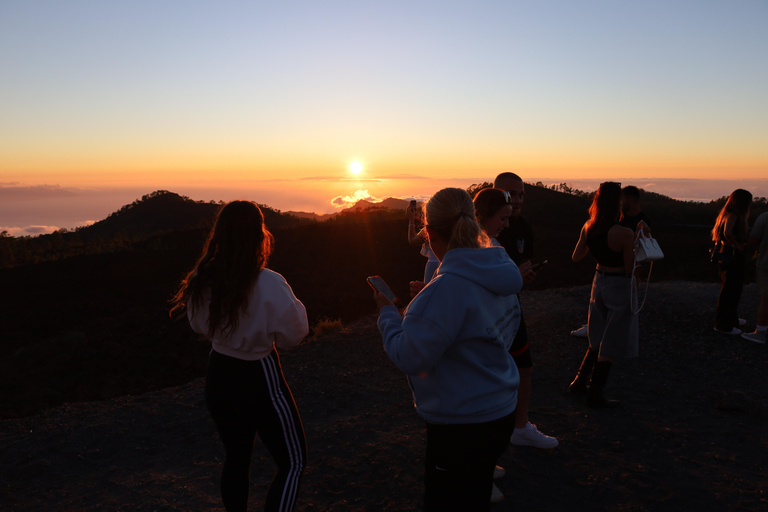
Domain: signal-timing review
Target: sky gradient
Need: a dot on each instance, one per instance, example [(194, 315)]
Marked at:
[(283, 96)]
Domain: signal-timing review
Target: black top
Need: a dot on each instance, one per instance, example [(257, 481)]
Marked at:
[(632, 221), (598, 248), (517, 239)]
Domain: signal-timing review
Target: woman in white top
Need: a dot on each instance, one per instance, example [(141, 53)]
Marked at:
[(247, 311)]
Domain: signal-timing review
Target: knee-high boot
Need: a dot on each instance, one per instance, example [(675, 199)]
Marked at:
[(596, 399), (579, 384)]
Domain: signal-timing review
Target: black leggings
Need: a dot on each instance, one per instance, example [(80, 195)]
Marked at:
[(459, 464), (731, 286), (246, 398)]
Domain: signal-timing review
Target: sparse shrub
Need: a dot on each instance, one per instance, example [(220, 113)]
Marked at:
[(326, 326)]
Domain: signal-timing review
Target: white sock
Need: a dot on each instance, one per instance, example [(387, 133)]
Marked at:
[(762, 328)]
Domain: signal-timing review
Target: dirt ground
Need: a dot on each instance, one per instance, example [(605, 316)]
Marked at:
[(690, 435)]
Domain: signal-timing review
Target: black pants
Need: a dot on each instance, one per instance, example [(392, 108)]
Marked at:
[(459, 464), (731, 285), (246, 398)]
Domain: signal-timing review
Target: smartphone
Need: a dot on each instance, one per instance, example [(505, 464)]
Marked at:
[(537, 266), (378, 284)]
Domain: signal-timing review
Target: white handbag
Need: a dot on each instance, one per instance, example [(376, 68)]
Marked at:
[(646, 249)]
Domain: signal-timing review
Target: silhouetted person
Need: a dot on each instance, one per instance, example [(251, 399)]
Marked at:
[(631, 213), (759, 237), (731, 234), (632, 217), (247, 311), (419, 238), (613, 327), (453, 343)]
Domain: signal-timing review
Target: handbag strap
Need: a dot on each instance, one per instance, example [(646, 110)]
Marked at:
[(633, 284)]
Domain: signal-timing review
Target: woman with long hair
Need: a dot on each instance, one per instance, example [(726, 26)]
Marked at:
[(730, 233), (453, 344), (612, 325), (247, 311)]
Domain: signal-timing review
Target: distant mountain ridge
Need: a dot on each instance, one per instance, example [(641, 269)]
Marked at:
[(390, 203)]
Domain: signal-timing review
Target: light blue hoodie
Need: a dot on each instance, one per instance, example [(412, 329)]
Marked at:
[(454, 339)]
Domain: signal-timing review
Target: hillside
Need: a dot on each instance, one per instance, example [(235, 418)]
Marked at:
[(92, 322)]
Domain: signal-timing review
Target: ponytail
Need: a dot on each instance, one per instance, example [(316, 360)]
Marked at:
[(451, 213)]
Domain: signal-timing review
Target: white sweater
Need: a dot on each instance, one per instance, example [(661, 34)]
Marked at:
[(274, 315)]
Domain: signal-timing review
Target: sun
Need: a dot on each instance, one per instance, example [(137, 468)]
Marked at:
[(355, 168)]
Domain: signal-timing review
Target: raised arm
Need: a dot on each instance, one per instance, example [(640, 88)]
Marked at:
[(414, 238)]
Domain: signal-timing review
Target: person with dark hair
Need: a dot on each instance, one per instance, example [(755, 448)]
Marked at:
[(517, 240), (730, 233), (613, 326), (632, 217), (247, 311), (631, 213), (453, 344)]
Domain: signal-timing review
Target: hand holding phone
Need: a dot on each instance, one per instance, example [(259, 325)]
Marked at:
[(536, 266), (378, 284)]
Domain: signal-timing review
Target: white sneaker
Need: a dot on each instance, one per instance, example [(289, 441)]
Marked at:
[(581, 332), (496, 495), (529, 435), (733, 332), (757, 336), (498, 472)]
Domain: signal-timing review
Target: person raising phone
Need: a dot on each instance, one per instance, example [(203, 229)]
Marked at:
[(453, 344)]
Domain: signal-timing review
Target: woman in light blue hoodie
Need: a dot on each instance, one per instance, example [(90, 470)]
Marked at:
[(453, 344)]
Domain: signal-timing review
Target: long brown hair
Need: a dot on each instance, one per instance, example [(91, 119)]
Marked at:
[(236, 251), (738, 204), (605, 208)]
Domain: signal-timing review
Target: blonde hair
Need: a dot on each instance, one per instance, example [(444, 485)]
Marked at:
[(451, 213)]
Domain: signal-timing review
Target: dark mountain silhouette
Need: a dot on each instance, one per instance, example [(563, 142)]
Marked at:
[(389, 203), (85, 313)]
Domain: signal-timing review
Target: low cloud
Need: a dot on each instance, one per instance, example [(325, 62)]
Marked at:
[(349, 201), (17, 192), (29, 230)]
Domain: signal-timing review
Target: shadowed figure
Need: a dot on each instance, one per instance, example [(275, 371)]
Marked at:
[(247, 311)]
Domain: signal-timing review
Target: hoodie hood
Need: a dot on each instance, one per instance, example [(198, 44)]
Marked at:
[(490, 268)]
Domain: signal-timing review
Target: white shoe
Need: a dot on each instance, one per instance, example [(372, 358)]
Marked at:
[(581, 332), (732, 332), (757, 336), (742, 322), (496, 495), (529, 435), (498, 472)]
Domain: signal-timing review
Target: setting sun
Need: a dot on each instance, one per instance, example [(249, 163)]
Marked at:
[(355, 168)]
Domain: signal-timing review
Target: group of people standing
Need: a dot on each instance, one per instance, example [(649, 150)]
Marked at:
[(733, 244), (462, 340)]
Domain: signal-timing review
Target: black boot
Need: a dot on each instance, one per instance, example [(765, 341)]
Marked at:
[(596, 399), (579, 384)]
